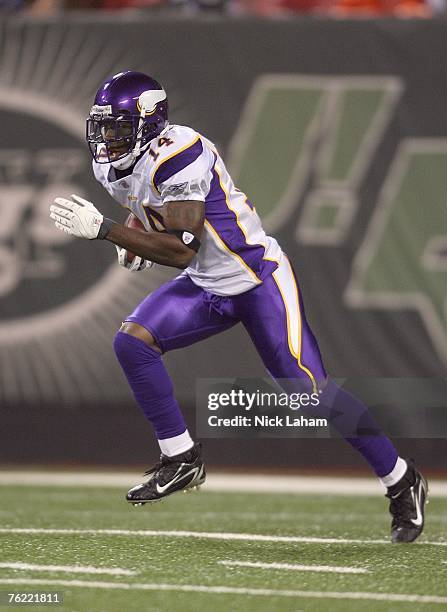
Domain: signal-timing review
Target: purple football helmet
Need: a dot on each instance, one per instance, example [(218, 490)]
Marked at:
[(130, 109)]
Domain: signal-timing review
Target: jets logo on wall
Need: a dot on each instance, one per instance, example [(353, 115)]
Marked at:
[(327, 140), (61, 298)]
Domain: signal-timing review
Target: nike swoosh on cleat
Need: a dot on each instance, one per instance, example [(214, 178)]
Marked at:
[(417, 522), (397, 495), (162, 489)]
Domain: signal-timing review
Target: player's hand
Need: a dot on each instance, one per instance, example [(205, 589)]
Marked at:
[(77, 217), (136, 265)]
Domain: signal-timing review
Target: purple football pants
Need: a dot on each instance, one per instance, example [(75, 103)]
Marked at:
[(180, 313)]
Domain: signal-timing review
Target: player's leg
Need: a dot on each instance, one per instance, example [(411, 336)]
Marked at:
[(177, 314), (274, 316)]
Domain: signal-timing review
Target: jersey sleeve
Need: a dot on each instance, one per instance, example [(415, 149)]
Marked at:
[(184, 173)]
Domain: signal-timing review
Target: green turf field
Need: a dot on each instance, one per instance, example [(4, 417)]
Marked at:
[(176, 560)]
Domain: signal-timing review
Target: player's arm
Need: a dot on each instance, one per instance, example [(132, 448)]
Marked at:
[(176, 247), (171, 248)]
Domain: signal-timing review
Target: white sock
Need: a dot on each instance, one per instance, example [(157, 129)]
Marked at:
[(396, 473), (176, 445)]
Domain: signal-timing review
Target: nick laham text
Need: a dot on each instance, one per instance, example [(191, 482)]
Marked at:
[(265, 421)]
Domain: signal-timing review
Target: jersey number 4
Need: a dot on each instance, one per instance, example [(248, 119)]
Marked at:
[(160, 142)]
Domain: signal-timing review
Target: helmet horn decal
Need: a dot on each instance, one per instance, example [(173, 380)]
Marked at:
[(147, 105), (148, 100)]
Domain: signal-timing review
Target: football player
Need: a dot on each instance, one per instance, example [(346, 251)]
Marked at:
[(175, 182)]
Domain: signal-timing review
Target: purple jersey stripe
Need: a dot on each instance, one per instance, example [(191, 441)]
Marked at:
[(177, 162), (224, 222)]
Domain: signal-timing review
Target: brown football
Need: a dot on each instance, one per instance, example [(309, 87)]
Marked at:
[(133, 222)]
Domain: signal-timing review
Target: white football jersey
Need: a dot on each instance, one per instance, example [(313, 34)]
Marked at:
[(235, 253)]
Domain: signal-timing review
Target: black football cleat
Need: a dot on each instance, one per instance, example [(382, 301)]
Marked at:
[(408, 498), (171, 474)]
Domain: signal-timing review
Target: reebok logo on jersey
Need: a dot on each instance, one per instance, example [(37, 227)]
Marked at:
[(174, 190)]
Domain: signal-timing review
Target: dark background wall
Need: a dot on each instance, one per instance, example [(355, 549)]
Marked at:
[(349, 120)]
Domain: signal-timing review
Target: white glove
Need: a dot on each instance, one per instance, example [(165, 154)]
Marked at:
[(77, 217), (136, 265)]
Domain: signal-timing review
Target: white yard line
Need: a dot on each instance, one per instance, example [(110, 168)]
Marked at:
[(245, 483), (225, 590), (72, 569), (210, 535), (294, 567)]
